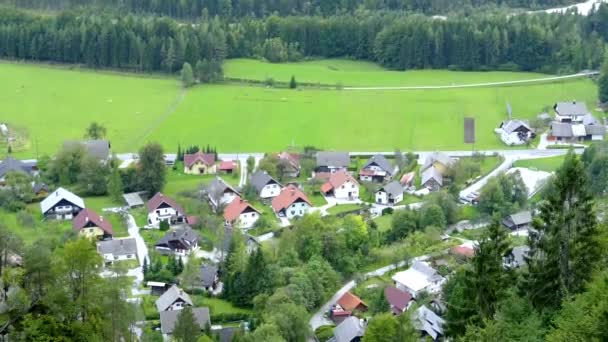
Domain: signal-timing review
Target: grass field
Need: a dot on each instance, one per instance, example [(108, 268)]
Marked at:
[(239, 118), (542, 164), (357, 73)]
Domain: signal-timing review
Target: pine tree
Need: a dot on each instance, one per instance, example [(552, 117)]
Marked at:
[(603, 82), (144, 267), (564, 248), (292, 83), (180, 265), (186, 328), (115, 185), (187, 75)]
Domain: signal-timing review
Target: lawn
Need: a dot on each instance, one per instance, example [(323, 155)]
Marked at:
[(29, 233), (178, 181), (384, 222), (343, 208), (236, 118), (358, 73), (542, 164)]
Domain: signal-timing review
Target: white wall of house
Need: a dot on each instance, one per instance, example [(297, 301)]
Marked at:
[(270, 190), (200, 168), (347, 190), (566, 118), (366, 178), (511, 138), (297, 209), (383, 198), (247, 220), (112, 257), (177, 306), (162, 214)]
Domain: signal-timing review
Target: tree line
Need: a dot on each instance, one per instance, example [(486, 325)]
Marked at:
[(550, 43), (262, 8)]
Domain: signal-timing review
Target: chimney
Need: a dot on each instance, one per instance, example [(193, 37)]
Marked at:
[(86, 219), (100, 218)]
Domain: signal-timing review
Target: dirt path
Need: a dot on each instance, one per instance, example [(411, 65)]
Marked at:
[(479, 85), (160, 119)]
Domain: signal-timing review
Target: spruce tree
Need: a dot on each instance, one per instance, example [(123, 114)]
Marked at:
[(564, 248), (115, 185), (187, 75), (292, 83), (603, 82), (186, 328)]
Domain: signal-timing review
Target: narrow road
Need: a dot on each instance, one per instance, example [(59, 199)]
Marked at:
[(479, 85)]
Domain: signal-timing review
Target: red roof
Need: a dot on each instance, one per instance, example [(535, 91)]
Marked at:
[(397, 298), (292, 158), (335, 313), (236, 208), (287, 197), (464, 251), (206, 158), (408, 178), (337, 179), (191, 220), (87, 215), (227, 165), (159, 199), (350, 302)]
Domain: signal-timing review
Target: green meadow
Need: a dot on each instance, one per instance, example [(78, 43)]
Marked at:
[(51, 105)]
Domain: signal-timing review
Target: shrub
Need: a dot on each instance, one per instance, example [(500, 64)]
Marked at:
[(229, 317), (387, 211), (25, 219), (164, 226)]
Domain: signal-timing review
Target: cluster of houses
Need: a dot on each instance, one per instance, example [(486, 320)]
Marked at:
[(434, 169)]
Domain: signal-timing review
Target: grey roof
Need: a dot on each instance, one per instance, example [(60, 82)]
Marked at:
[(226, 333), (428, 321), (100, 149), (572, 108), (589, 119), (185, 234), (349, 329), (595, 129), (431, 273), (208, 274), (38, 186), (561, 129), (522, 217), (13, 165), (133, 199), (393, 188), (168, 319), (518, 254), (432, 173), (170, 296), (381, 161), (439, 157), (511, 125), (218, 186), (260, 179), (60, 194), (337, 159), (118, 247)]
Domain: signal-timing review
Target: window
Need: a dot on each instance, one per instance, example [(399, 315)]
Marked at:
[(91, 230), (293, 212), (130, 256)]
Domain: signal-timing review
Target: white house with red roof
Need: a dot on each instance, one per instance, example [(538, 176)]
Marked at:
[(199, 163), (342, 185), (164, 208), (239, 213), (291, 202), (90, 225)]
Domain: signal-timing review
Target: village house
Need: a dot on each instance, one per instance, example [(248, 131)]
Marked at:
[(377, 169), (239, 213), (157, 288), (517, 221), (100, 149), (418, 278), (407, 180), (10, 164), (350, 302), (331, 162), (341, 185), (173, 299), (515, 132), (351, 329), (199, 163), (179, 241), (291, 164), (517, 257), (441, 161), (573, 122), (291, 202), (61, 205), (432, 179), (117, 250), (209, 277), (428, 323), (219, 192), (390, 194), (133, 200), (164, 208), (40, 190), (228, 167), (168, 320), (90, 225), (398, 300), (265, 185)]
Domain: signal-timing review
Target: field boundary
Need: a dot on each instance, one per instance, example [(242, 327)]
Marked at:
[(479, 85)]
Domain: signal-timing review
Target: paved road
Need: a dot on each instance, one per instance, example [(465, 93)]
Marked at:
[(582, 8)]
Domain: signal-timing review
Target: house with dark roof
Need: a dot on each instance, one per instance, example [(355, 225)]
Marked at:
[(390, 194), (168, 319), (173, 299), (377, 169), (10, 164), (179, 241), (164, 208), (133, 200), (330, 162), (291, 202), (91, 225), (515, 132), (99, 149), (265, 185), (341, 185), (432, 179), (117, 249), (516, 258), (290, 162), (40, 189), (239, 213), (517, 221), (573, 122), (398, 300), (209, 277), (157, 288), (220, 193), (228, 167), (428, 323), (199, 163), (572, 111), (351, 329), (61, 204)]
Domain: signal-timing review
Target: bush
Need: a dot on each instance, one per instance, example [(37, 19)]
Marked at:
[(25, 219), (164, 226), (387, 211), (325, 332), (229, 317)]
